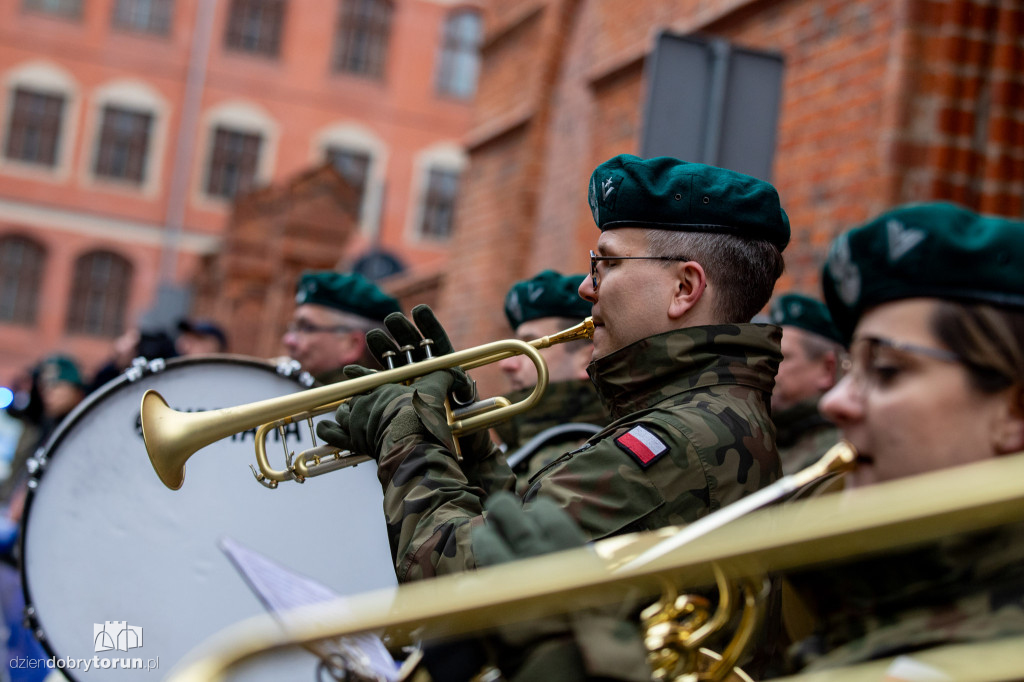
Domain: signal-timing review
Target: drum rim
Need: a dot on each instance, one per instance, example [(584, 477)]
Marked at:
[(76, 415)]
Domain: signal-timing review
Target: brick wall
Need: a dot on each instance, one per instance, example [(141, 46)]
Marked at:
[(882, 102)]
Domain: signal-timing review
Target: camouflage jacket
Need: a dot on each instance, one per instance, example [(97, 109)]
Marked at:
[(697, 397), (563, 402), (803, 435), (960, 589)]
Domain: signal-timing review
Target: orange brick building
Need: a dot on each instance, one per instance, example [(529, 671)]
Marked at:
[(882, 101), (128, 127)]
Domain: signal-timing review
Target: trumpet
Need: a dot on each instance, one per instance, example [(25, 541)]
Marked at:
[(172, 436)]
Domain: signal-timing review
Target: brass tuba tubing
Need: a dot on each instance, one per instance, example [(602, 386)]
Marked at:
[(172, 436)]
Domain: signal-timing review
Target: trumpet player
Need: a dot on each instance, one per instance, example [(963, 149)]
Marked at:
[(688, 254), (570, 410), (333, 312)]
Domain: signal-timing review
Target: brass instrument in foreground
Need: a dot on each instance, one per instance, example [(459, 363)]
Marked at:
[(798, 535), (172, 437)]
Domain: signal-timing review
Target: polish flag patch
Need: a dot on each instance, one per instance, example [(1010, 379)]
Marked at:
[(643, 445)]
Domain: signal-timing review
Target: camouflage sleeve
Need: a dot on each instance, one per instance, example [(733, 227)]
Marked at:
[(432, 501)]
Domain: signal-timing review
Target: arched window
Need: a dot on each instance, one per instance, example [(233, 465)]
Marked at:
[(21, 273), (99, 294), (361, 44), (459, 62)]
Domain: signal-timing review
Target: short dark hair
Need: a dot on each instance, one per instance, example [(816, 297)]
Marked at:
[(743, 271), (989, 339)]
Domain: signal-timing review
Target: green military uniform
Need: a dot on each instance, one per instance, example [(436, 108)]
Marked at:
[(803, 435), (961, 589), (698, 436), (563, 402)]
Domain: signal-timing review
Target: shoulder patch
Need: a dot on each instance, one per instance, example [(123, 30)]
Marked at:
[(643, 445)]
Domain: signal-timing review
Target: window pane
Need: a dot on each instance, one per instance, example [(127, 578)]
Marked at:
[(150, 16), (439, 206), (255, 26), (124, 142), (34, 129), (99, 294), (361, 44), (233, 162), (66, 8), (459, 63), (354, 167), (21, 274)]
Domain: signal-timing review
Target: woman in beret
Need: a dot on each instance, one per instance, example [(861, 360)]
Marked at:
[(930, 298)]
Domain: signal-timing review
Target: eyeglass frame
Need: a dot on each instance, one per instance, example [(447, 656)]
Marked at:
[(874, 342), (304, 327), (594, 258)]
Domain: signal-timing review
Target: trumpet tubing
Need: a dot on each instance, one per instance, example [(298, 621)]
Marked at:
[(172, 436)]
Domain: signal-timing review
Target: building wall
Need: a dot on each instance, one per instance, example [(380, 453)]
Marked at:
[(882, 102), (296, 100)]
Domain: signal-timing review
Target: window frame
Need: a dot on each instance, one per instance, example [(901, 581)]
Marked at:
[(242, 186), (41, 7), (239, 23), (454, 51), (141, 163), (98, 308), (25, 280), (158, 22), (30, 120), (362, 38)]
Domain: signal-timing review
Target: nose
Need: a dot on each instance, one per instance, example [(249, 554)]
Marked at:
[(844, 403), (586, 290), (290, 340)]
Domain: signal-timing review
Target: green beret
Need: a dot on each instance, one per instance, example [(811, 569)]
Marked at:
[(61, 368), (932, 250), (548, 294), (811, 315), (347, 292), (668, 194)]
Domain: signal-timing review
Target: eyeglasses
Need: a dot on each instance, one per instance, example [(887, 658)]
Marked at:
[(594, 258), (866, 369), (305, 327)]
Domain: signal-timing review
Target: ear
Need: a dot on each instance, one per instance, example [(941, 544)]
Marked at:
[(829, 372), (1008, 433), (690, 285), (352, 347)]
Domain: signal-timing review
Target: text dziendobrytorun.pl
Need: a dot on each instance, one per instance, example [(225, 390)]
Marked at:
[(86, 664)]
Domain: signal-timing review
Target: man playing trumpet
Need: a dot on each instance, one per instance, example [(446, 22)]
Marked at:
[(688, 254)]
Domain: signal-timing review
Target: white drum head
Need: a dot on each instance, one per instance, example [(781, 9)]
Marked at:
[(105, 542)]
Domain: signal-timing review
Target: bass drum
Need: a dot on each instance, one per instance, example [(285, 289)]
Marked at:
[(116, 567)]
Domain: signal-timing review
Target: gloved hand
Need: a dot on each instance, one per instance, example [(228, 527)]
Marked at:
[(359, 424), (412, 335), (512, 532)]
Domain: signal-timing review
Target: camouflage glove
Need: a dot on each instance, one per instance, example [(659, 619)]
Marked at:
[(512, 532), (416, 340), (360, 423)]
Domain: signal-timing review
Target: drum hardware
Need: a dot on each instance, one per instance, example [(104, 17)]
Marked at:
[(172, 436), (289, 367), (141, 367)]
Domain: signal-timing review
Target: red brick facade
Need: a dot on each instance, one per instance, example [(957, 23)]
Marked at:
[(882, 102)]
